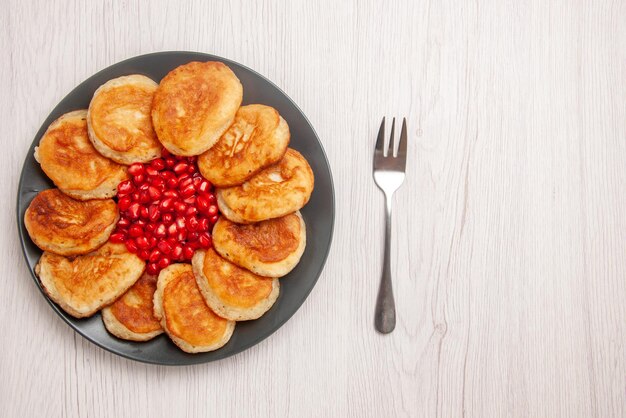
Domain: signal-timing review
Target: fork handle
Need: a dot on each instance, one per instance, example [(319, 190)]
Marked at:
[(385, 317)]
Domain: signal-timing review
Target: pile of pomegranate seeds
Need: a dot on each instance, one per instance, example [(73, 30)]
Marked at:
[(167, 210)]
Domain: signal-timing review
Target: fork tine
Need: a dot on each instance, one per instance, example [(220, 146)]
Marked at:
[(380, 142), (391, 141), (403, 141)]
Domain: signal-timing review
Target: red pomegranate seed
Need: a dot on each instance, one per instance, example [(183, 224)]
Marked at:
[(202, 203), (180, 223), (188, 191), (182, 235), (144, 212), (158, 164), (180, 168), (191, 169), (203, 224), (135, 169), (153, 241), (124, 203), (204, 186), (154, 192), (123, 222), (194, 244), (183, 177), (166, 204), (154, 255), (143, 187), (167, 218), (164, 262), (191, 200), (152, 268), (213, 219), (165, 153), (177, 251), (172, 241), (144, 197), (212, 210), (172, 194), (142, 242), (192, 223), (172, 183), (170, 162), (131, 246), (205, 239), (164, 247), (153, 212), (133, 210), (192, 236), (191, 211), (150, 228), (172, 230), (125, 187), (143, 254), (187, 252), (118, 237), (134, 197), (140, 222), (139, 178), (151, 171), (184, 183), (160, 231), (135, 231), (212, 199)]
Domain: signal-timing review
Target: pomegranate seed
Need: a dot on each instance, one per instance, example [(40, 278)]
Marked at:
[(204, 186), (143, 254), (165, 153), (182, 235), (139, 178), (164, 262), (154, 255), (180, 223), (153, 241), (160, 231), (192, 236), (167, 218), (183, 177), (187, 252), (191, 211), (172, 183), (118, 237), (202, 203), (152, 268), (154, 192), (158, 181), (135, 169), (212, 210), (177, 251), (205, 239), (170, 162), (140, 222), (188, 191), (142, 242), (134, 197), (144, 197), (172, 230), (191, 169), (151, 171), (184, 183), (194, 244), (203, 224), (150, 228), (166, 204), (131, 246), (164, 247), (143, 187), (180, 168), (123, 223), (180, 207), (144, 212), (158, 164), (190, 200), (135, 231), (125, 187), (172, 241), (153, 212), (212, 199), (173, 194), (213, 219), (192, 223), (124, 203), (133, 210)]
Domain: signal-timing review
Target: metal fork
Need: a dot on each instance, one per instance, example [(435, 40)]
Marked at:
[(388, 175)]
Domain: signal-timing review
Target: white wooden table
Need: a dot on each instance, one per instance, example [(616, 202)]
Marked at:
[(509, 246)]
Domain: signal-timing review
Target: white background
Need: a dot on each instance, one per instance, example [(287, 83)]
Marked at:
[(509, 245)]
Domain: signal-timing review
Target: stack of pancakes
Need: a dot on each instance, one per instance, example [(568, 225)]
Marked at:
[(243, 150)]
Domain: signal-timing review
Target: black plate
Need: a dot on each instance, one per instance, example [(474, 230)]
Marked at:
[(319, 213)]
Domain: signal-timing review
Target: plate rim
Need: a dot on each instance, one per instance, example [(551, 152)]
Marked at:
[(201, 360)]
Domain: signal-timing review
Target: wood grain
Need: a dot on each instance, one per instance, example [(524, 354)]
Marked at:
[(509, 232)]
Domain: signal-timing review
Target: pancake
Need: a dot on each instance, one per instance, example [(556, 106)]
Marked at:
[(67, 156), (269, 248), (131, 317), (65, 226), (194, 105), (233, 292), (184, 315), (278, 190), (119, 121), (83, 285), (257, 138)]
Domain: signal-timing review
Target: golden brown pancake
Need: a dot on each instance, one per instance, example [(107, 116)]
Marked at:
[(257, 138), (65, 226), (233, 292), (278, 190), (83, 285), (67, 156), (184, 314), (269, 248), (131, 317), (194, 105), (119, 121)]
